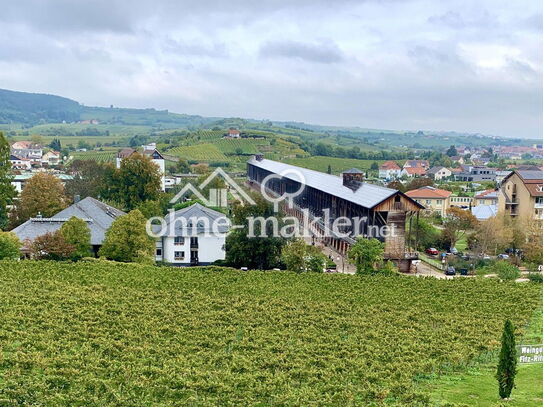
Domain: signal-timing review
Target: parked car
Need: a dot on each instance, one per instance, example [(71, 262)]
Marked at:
[(503, 256), (450, 271), (453, 250), (432, 251), (463, 272)]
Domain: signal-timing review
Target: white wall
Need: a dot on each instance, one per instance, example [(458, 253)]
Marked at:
[(210, 248)]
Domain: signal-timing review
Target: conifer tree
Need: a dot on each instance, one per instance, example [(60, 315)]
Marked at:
[(507, 366)]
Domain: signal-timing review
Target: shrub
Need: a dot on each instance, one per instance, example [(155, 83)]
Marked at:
[(506, 271), (536, 277), (51, 246), (77, 233), (9, 245)]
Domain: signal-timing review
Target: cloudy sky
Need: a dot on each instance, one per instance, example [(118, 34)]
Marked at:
[(396, 64)]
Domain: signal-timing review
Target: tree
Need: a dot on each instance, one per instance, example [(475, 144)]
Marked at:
[(299, 257), (374, 166), (127, 240), (420, 182), (55, 144), (261, 253), (137, 180), (329, 170), (43, 194), (366, 255), (456, 224), (7, 191), (10, 246), (427, 235), (51, 246), (88, 179), (491, 236), (507, 366), (396, 185), (451, 152), (77, 233)]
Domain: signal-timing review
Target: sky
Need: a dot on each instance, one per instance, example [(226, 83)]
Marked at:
[(469, 66)]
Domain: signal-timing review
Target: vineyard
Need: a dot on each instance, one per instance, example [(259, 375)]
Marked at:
[(101, 156), (337, 165), (102, 333)]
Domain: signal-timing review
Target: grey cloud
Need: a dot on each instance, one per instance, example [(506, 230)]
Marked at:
[(324, 53), (215, 50)]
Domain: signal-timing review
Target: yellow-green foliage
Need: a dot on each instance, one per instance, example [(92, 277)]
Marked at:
[(110, 334)]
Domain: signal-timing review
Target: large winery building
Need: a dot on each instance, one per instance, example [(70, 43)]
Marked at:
[(346, 196)]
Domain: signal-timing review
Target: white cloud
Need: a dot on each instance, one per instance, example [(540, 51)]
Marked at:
[(451, 65)]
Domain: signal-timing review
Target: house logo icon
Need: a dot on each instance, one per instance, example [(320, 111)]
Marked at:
[(218, 197)]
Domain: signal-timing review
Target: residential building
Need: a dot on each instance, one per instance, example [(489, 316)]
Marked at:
[(458, 159), (438, 173), (413, 172), (19, 180), (34, 154), (98, 216), (190, 237), (389, 170), (232, 133), (417, 164), (325, 197), (150, 151), (18, 163), (488, 197), (521, 194), (463, 202), (433, 199), (501, 175), (476, 173), (51, 158)]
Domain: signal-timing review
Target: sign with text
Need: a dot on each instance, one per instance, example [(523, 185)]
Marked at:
[(531, 354)]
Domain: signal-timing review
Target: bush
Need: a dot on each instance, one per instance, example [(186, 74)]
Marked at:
[(52, 246), (506, 271), (9, 246), (536, 277)]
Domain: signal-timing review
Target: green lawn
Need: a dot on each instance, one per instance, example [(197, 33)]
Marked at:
[(477, 386)]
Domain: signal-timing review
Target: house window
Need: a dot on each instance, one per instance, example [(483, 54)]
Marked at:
[(428, 202), (438, 202), (179, 240), (159, 252), (539, 200), (179, 255)]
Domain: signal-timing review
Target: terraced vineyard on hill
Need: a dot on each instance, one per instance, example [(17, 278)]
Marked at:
[(103, 333)]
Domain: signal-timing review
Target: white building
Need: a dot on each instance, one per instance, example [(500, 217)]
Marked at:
[(150, 151), (389, 170), (192, 236)]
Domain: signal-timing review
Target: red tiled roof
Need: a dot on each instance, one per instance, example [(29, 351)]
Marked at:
[(389, 165), (428, 193), (415, 170)]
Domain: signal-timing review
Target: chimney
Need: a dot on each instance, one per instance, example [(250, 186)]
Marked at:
[(77, 198), (39, 216), (353, 178), (259, 157)]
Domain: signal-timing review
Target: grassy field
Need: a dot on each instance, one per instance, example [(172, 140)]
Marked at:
[(103, 333), (338, 165), (478, 388)]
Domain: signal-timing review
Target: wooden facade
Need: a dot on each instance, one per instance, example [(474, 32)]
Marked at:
[(393, 211)]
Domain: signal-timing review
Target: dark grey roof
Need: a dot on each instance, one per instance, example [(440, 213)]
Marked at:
[(531, 175), (192, 220), (435, 170), (98, 216), (353, 171), (367, 195)]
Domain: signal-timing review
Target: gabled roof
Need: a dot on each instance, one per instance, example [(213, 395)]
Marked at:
[(353, 171), (389, 165), (416, 163), (98, 215), (435, 170), (366, 195), (180, 223), (532, 180), (429, 193), (415, 170), (484, 212), (125, 152), (488, 194)]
